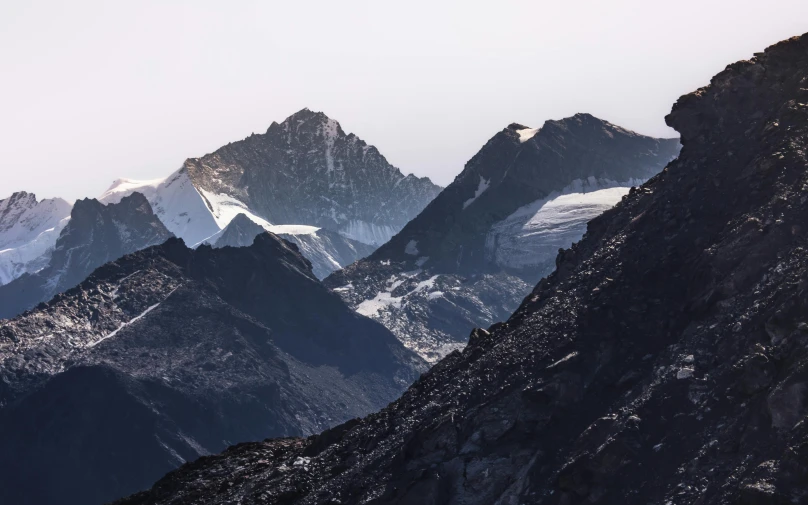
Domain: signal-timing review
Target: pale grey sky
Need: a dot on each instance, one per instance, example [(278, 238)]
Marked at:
[(95, 90)]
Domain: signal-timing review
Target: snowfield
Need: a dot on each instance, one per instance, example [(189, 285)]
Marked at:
[(533, 234), (175, 201), (199, 217)]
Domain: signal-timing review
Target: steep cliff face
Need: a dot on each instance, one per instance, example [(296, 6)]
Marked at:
[(664, 361), (303, 171), (473, 254), (94, 235), (169, 354), (28, 233)]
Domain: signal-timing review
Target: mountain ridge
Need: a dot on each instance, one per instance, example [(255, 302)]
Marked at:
[(172, 353), (303, 171), (94, 234), (470, 257)]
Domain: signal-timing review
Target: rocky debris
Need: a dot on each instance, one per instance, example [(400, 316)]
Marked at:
[(431, 313), (580, 397), (94, 235), (169, 354), (495, 231)]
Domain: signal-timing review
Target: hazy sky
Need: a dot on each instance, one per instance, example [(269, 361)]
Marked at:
[(95, 90)]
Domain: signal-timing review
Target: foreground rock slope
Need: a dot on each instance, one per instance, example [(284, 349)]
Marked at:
[(473, 254), (169, 354), (663, 362)]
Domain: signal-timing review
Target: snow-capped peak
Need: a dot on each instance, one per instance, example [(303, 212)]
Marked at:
[(28, 232)]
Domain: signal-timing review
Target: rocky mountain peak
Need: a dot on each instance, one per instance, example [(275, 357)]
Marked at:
[(306, 127), (471, 256), (28, 232), (307, 171), (519, 166), (23, 211), (19, 197)]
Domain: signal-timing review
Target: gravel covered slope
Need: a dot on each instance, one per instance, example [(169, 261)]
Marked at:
[(663, 362)]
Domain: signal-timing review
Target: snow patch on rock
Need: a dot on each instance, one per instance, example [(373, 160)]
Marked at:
[(527, 134), (175, 201), (368, 233), (532, 235), (481, 187)]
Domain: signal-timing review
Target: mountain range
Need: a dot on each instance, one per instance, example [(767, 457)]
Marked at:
[(93, 235), (171, 353), (476, 250), (663, 361), (303, 171)]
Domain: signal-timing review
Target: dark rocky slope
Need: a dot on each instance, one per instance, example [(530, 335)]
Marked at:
[(664, 361), (473, 254), (95, 234), (170, 353)]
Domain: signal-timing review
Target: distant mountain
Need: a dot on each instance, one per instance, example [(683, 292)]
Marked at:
[(169, 354), (513, 178), (474, 252), (326, 250), (303, 171), (94, 234), (665, 361), (28, 233)]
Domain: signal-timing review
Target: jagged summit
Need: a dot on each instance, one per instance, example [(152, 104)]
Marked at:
[(303, 171), (664, 361)]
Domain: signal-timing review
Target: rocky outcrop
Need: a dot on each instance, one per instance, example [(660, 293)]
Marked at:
[(169, 354), (28, 233), (94, 235), (664, 361), (495, 231)]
